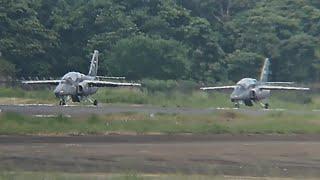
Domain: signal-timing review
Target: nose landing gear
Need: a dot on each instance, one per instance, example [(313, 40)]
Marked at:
[(237, 105)]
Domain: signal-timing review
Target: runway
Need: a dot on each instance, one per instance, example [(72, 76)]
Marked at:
[(47, 110), (238, 155)]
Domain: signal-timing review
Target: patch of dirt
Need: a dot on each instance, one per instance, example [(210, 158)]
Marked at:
[(236, 155)]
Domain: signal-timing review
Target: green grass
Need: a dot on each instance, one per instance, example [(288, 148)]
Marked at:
[(174, 98), (218, 123), (20, 95)]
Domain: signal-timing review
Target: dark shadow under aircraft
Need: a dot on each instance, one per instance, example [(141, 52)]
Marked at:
[(249, 91), (77, 86)]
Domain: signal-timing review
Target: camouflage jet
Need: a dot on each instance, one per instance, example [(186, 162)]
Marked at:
[(77, 86), (249, 91)]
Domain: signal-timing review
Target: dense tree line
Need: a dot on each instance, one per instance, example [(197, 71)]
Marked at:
[(201, 40)]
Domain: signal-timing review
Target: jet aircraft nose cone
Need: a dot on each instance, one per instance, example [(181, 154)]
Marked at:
[(234, 97), (58, 91)]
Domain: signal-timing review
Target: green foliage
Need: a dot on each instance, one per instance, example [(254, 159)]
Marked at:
[(122, 96), (168, 86), (294, 97), (198, 40), (9, 92), (238, 63), (277, 29), (141, 56), (93, 119), (16, 92), (6, 68), (23, 38), (296, 59)]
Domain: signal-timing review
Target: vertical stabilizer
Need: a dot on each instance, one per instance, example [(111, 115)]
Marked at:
[(94, 64), (265, 71)]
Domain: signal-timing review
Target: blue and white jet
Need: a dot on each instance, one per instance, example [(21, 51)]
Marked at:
[(248, 90), (77, 86)]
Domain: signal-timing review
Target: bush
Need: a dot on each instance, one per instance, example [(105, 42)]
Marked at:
[(294, 97), (168, 86), (10, 92)]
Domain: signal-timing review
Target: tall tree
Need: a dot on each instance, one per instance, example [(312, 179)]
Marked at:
[(23, 39), (144, 57)]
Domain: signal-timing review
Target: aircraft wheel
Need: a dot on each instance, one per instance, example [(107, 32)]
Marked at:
[(62, 103), (95, 102), (237, 105), (266, 106)]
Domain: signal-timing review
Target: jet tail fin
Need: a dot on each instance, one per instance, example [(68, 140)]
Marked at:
[(94, 64), (265, 71)]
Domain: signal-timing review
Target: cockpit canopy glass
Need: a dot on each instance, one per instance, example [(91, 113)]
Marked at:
[(247, 82), (71, 76)]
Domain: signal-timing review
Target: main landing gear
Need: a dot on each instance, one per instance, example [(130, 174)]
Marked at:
[(62, 102), (266, 106), (95, 102)]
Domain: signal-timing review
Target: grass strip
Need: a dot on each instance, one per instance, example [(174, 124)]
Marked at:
[(218, 123)]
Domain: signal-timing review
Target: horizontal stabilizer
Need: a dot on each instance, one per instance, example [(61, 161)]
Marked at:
[(94, 83), (218, 88), (43, 82), (279, 82), (110, 77)]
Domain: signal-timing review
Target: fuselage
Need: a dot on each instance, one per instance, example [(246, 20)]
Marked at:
[(72, 85), (247, 90)]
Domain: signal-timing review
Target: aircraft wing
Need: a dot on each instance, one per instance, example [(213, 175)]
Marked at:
[(110, 77), (284, 88), (218, 88), (279, 83), (42, 82), (95, 83)]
